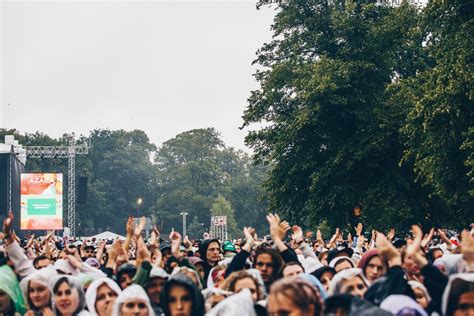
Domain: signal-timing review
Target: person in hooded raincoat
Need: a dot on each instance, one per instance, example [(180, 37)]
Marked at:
[(68, 296), (35, 288), (133, 300), (11, 299), (181, 295), (101, 296), (458, 297)]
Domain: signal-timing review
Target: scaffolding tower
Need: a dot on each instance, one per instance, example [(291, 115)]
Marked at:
[(70, 151)]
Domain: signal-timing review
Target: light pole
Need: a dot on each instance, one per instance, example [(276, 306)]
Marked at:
[(184, 222), (139, 203)]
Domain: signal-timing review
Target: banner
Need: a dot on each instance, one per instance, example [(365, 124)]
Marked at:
[(41, 201)]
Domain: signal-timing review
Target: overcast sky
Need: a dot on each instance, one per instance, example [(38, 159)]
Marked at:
[(164, 67)]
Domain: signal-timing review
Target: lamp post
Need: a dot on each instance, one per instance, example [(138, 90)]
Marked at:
[(184, 222), (139, 203)]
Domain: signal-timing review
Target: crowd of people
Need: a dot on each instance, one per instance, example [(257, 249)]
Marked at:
[(287, 273)]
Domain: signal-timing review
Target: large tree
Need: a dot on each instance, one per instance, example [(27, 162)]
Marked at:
[(439, 125), (332, 139)]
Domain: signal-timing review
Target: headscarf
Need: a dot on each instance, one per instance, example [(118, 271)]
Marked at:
[(364, 261), (257, 276), (180, 270), (347, 274), (91, 293), (157, 272), (210, 292), (418, 285), (134, 291), (336, 261), (450, 263), (9, 284), (311, 279), (457, 285), (311, 264), (186, 282), (73, 283), (42, 276), (235, 305), (402, 305), (65, 267), (126, 268), (318, 273)]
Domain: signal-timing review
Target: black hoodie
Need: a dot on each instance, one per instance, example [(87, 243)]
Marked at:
[(203, 255), (186, 282)]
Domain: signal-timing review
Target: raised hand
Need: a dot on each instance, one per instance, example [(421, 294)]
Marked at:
[(187, 243), (142, 252), (129, 226), (156, 231), (443, 237), (387, 250), (391, 234), (249, 234), (297, 234), (175, 239), (153, 242), (319, 236), (284, 228), (349, 238), (332, 242), (414, 248), (359, 229), (30, 241), (49, 235), (139, 229), (274, 222), (7, 225), (427, 239)]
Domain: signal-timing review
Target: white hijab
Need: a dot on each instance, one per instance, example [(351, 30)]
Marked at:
[(91, 294), (133, 291)]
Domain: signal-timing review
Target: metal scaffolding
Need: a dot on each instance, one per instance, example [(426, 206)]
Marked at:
[(70, 153)]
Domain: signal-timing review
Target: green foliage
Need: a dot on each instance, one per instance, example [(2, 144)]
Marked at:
[(438, 129), (196, 229), (333, 98), (194, 168)]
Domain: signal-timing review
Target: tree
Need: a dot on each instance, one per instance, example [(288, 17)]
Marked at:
[(331, 142), (188, 175), (222, 207), (439, 125), (196, 229), (120, 171)]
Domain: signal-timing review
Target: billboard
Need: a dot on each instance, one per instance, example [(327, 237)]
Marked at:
[(41, 201)]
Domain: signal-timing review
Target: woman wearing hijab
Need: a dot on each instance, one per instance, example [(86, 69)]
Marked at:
[(68, 296), (180, 296), (11, 300), (133, 301), (458, 297), (422, 296), (35, 288), (324, 275), (349, 281), (372, 265), (101, 296)]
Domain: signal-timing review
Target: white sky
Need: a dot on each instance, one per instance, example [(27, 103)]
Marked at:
[(164, 67)]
